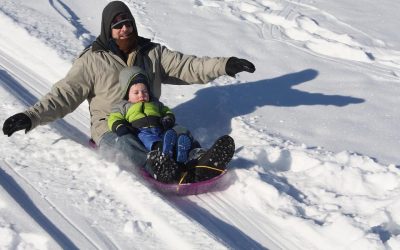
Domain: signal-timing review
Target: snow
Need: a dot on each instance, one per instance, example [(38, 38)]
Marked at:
[(316, 129)]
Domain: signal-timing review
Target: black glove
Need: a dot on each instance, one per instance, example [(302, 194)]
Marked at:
[(126, 129), (17, 122), (168, 121), (235, 65), (122, 130)]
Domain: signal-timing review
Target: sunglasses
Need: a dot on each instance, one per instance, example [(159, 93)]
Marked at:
[(120, 24)]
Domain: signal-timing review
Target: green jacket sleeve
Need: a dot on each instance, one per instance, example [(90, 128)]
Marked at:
[(117, 117), (115, 120), (166, 111)]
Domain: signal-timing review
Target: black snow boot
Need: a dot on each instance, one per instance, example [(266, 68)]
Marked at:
[(214, 161), (163, 167)]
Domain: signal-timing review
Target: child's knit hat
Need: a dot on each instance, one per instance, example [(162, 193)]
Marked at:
[(132, 75)]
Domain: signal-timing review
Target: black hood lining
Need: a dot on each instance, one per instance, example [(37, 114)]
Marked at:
[(111, 10)]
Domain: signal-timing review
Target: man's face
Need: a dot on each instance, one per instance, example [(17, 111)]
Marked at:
[(122, 31)]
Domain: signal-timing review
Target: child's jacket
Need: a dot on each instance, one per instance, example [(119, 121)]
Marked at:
[(138, 115)]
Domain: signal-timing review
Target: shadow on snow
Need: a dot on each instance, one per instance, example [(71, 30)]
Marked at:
[(74, 20), (230, 235), (19, 195), (211, 111)]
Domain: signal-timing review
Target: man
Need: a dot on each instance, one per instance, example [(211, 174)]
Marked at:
[(94, 77)]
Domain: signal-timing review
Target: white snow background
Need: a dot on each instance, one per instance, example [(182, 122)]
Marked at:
[(316, 129)]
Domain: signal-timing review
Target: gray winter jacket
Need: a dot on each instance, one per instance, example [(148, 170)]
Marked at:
[(94, 77)]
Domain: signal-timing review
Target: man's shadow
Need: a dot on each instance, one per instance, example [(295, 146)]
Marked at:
[(209, 114)]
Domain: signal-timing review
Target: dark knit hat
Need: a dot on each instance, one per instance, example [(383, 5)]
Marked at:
[(139, 78), (132, 75)]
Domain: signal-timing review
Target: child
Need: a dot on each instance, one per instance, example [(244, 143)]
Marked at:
[(143, 115), (154, 124)]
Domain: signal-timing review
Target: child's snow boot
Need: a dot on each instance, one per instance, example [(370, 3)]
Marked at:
[(183, 146), (169, 142)]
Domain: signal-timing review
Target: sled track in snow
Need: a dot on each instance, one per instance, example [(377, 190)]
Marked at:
[(45, 212), (232, 236), (231, 227), (229, 219)]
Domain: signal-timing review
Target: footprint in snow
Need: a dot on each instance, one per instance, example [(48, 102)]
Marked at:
[(296, 23)]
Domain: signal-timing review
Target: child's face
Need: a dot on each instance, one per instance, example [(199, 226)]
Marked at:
[(138, 93)]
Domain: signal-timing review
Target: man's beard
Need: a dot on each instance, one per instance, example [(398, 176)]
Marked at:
[(127, 45)]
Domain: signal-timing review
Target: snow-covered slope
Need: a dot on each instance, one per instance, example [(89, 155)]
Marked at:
[(317, 163)]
